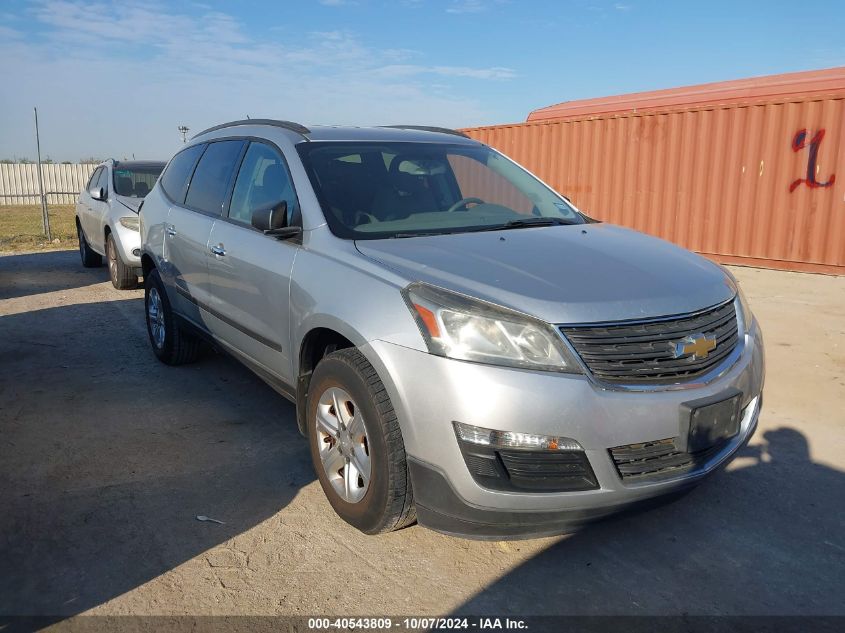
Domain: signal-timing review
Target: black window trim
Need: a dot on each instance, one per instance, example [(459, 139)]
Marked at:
[(296, 218)]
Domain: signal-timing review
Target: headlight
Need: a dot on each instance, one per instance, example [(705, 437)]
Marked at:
[(510, 439), (741, 302), (130, 222), (460, 327), (744, 309)]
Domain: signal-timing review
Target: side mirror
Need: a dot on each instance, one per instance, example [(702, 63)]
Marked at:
[(99, 194), (273, 220)]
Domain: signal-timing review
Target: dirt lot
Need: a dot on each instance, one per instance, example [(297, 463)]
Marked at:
[(107, 456)]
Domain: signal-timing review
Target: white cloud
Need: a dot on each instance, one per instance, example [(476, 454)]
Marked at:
[(467, 6), (8, 33), (149, 68), (408, 70), (472, 6)]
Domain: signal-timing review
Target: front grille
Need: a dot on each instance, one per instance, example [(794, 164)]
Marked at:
[(644, 351), (659, 459)]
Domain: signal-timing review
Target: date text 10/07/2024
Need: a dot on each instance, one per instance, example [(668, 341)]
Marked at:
[(421, 623)]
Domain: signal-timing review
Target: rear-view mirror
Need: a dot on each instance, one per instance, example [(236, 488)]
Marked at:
[(273, 220)]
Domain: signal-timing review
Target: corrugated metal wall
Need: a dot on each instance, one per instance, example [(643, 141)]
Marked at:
[(17, 180), (729, 181)]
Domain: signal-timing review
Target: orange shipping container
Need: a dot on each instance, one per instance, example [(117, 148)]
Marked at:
[(748, 172)]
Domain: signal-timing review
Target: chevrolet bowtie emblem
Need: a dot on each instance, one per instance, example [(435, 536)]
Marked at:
[(697, 345)]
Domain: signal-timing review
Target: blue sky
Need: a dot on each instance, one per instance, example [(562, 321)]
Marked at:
[(117, 78)]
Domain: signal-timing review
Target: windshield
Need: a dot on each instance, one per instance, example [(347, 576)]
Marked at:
[(135, 182), (374, 191)]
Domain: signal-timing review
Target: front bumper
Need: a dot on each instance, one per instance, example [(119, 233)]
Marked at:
[(429, 393)]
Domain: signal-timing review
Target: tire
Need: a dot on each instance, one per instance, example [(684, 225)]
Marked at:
[(387, 503), (171, 344), (122, 276), (90, 259)]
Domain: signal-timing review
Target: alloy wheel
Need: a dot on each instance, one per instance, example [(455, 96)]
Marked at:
[(112, 261), (343, 445), (155, 318)]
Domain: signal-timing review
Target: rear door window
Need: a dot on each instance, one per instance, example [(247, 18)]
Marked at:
[(175, 179), (212, 179)]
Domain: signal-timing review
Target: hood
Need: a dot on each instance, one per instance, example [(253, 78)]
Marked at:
[(133, 204), (562, 274)]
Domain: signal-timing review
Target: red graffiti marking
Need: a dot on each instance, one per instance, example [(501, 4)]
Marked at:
[(799, 142)]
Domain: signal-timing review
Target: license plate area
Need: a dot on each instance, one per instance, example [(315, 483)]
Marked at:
[(710, 421)]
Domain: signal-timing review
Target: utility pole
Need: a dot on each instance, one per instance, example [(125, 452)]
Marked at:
[(183, 130), (45, 217)]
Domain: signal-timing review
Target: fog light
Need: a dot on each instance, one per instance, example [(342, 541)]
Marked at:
[(136, 252), (511, 439)]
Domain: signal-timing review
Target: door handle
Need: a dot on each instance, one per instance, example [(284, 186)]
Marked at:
[(171, 230), (218, 250)]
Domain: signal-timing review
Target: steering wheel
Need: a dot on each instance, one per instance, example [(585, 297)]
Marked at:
[(464, 202)]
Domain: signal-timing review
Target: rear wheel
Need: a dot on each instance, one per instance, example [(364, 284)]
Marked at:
[(171, 344), (90, 259), (122, 276), (356, 444)]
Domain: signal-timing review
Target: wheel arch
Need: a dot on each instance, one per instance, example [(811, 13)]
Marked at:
[(147, 264), (318, 341)]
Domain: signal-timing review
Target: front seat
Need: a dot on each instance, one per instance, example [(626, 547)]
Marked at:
[(141, 189), (124, 186), (405, 195)]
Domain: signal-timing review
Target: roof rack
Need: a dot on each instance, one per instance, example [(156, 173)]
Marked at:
[(428, 128), (288, 125)]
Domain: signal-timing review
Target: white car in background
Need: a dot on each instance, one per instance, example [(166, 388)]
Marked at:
[(107, 217)]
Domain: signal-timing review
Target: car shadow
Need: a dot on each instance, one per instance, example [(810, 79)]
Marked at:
[(764, 538), (35, 273), (108, 456)]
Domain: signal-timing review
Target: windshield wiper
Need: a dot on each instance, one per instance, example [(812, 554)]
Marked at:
[(513, 224), (526, 223), (421, 234)]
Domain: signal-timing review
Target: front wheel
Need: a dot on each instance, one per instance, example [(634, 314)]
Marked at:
[(122, 276), (356, 445)]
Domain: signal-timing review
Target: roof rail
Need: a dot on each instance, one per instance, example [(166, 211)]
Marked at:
[(288, 125), (428, 128)]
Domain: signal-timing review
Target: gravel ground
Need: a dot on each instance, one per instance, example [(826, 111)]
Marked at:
[(107, 456)]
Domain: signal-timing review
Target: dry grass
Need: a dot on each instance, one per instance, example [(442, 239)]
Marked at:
[(21, 228)]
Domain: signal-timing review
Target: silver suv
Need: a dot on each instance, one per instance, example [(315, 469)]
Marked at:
[(464, 347), (107, 217)]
